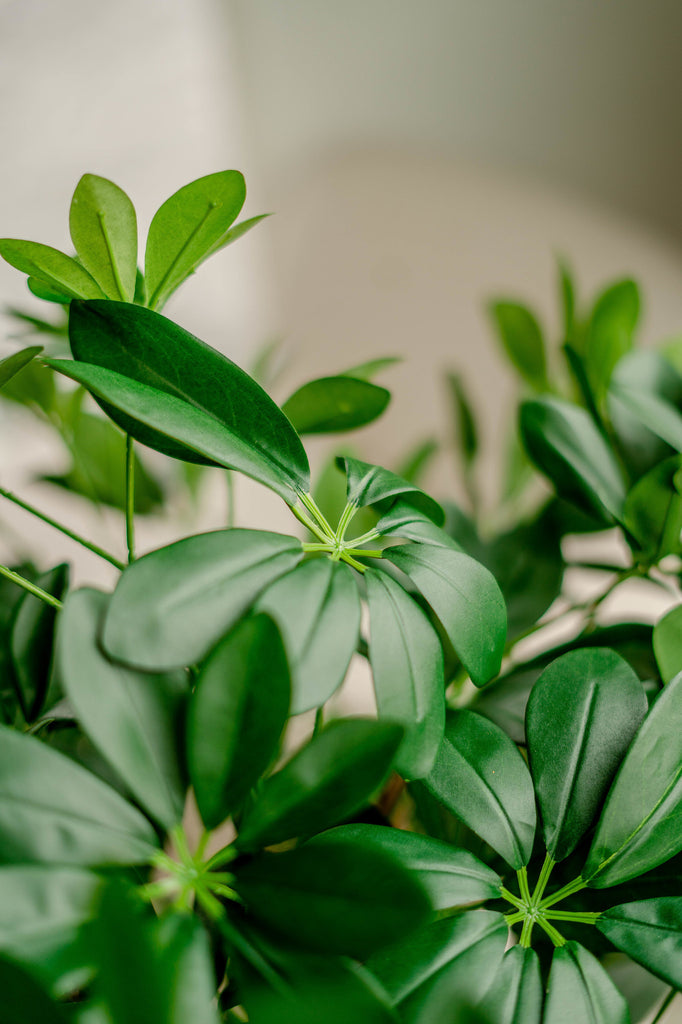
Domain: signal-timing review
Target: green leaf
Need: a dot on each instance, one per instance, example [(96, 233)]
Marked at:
[(370, 369), (580, 989), (235, 232), (610, 332), (465, 597), (404, 520), (521, 336), (567, 296), (332, 896), (516, 993), (369, 485), (653, 511), (47, 293), (212, 405), (133, 719), (466, 435), (480, 776), (566, 446), (443, 966), (407, 668), (654, 412), (649, 931), (24, 1000), (54, 811), (317, 608), (103, 230), (648, 372), (327, 780), (451, 877), (43, 910), (332, 404), (50, 268), (188, 228), (31, 642), (581, 717), (667, 642), (641, 823), (11, 365), (171, 606), (236, 716)]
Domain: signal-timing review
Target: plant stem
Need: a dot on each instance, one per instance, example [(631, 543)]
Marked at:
[(569, 915), (545, 872), (96, 550), (310, 525), (130, 498), (556, 936), (522, 878), (561, 894), (31, 587)]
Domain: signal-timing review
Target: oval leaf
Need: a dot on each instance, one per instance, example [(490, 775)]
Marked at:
[(369, 485), (581, 717), (31, 642), (667, 641), (133, 719), (237, 713), (332, 404), (516, 993), (171, 606), (317, 609), (103, 230), (329, 779), (480, 776), (649, 931), (580, 989), (467, 600), (641, 824), (407, 668), (11, 365), (187, 228), (610, 332), (653, 511), (50, 268), (54, 811), (522, 339)]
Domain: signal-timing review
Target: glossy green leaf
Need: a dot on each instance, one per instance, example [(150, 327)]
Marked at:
[(50, 268), (24, 1000), (442, 966), (46, 292), (54, 811), (11, 365), (667, 641), (406, 521), (331, 895), (649, 931), (517, 990), (465, 597), (580, 989), (327, 780), (653, 511), (171, 606), (333, 404), (369, 485), (466, 434), (610, 332), (236, 716), (407, 669), (581, 717), (451, 877), (103, 230), (317, 609), (211, 401), (133, 719), (641, 823), (480, 776), (187, 228), (566, 446), (522, 339), (648, 372), (31, 641)]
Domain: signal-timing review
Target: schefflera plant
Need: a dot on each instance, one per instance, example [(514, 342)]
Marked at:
[(605, 774)]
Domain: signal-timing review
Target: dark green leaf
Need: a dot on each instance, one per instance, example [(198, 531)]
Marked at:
[(24, 1000), (451, 877), (404, 520), (443, 966), (522, 339), (648, 372), (667, 641), (581, 717), (466, 599), (641, 824), (369, 485), (610, 332), (171, 606), (103, 229), (11, 365), (653, 511), (51, 268), (579, 989), (331, 895), (516, 993), (133, 719), (564, 443), (212, 401), (332, 404), (317, 609), (329, 779), (466, 435), (237, 714), (53, 811), (31, 641), (481, 777), (649, 931), (407, 669), (187, 228)]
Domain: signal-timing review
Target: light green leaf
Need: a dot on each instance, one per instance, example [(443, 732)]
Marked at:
[(103, 229), (579, 989), (610, 332), (50, 268), (369, 485), (333, 404), (11, 365), (649, 931), (521, 336), (667, 643), (237, 231)]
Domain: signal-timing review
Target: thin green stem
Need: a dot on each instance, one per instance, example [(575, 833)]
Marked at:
[(346, 516), (561, 894), (318, 516), (317, 547), (310, 525), (526, 933), (96, 550), (570, 915), (516, 901), (351, 561), (130, 498), (31, 587), (522, 878), (363, 552), (514, 918), (556, 936), (545, 872), (364, 539)]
